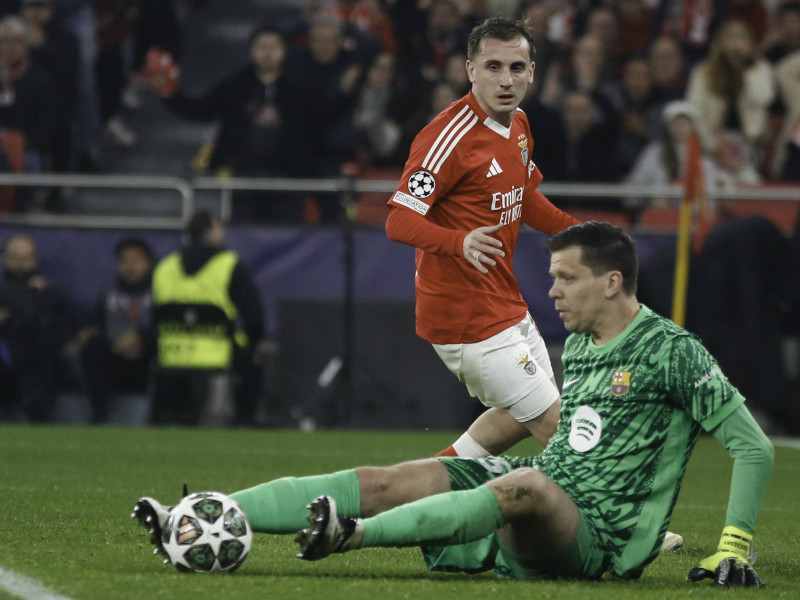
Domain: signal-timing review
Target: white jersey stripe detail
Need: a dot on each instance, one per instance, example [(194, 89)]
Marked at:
[(442, 134), (450, 148), (445, 144)]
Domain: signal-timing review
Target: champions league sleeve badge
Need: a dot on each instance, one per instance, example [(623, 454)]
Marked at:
[(421, 184)]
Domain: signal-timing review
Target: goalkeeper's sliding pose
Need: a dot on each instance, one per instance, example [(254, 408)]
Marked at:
[(638, 391)]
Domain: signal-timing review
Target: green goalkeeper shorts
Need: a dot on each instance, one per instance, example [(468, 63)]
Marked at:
[(582, 559)]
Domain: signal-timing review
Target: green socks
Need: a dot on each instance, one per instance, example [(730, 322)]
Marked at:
[(443, 519), (280, 505), (452, 518)]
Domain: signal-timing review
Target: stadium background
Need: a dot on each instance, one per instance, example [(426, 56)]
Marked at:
[(303, 273)]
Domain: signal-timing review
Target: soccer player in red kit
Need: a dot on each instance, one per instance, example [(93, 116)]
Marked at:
[(467, 185)]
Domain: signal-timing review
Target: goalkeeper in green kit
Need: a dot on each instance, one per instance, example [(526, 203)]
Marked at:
[(637, 392)]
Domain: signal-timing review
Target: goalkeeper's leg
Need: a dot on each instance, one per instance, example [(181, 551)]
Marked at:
[(533, 516), (279, 506)]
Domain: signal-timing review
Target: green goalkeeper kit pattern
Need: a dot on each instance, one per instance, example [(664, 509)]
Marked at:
[(631, 413)]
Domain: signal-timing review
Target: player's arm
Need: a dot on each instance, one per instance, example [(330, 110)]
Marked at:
[(476, 247), (752, 455), (409, 227), (719, 408), (538, 212)]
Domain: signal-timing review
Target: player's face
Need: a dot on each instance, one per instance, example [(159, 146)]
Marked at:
[(579, 294), (500, 76)]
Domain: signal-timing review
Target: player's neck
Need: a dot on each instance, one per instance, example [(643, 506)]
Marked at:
[(615, 320)]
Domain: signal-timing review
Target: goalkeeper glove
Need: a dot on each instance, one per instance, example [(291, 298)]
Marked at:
[(731, 563)]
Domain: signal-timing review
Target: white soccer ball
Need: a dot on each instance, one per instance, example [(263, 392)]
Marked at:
[(207, 531)]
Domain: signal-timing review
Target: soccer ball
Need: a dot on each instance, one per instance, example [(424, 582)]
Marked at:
[(206, 531)]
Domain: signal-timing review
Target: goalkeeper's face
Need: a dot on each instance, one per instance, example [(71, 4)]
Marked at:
[(580, 296)]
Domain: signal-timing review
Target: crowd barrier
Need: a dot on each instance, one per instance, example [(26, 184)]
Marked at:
[(328, 292)]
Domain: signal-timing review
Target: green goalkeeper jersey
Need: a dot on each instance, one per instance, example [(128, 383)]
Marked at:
[(631, 413)]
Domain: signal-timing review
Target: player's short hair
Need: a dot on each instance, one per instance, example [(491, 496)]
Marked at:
[(500, 28), (136, 243), (604, 247)]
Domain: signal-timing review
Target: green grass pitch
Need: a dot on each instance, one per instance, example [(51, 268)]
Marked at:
[(67, 493)]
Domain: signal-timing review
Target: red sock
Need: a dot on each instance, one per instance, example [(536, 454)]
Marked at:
[(449, 451)]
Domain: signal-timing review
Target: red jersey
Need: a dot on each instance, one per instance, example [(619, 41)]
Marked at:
[(465, 171)]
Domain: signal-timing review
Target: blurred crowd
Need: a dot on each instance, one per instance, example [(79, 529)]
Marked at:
[(334, 87)]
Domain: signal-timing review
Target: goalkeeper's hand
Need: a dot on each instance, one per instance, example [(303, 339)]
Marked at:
[(731, 563)]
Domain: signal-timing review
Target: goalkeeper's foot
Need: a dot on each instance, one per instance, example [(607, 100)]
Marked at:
[(672, 542), (327, 532), (152, 515)]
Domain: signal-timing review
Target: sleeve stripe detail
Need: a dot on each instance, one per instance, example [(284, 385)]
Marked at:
[(452, 146), (448, 138)]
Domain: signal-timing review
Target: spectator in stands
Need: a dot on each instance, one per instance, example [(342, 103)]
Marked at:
[(378, 115), (28, 110), (783, 37), (549, 136), (667, 69), (586, 72), (640, 113), (425, 50), (324, 78), (753, 12), (368, 15), (786, 156), (77, 17), (116, 23), (602, 23), (32, 333), (691, 22), (663, 161), (200, 294), (58, 52), (455, 73), (732, 91), (443, 94), (251, 106), (157, 26), (115, 350), (590, 140), (636, 20), (548, 52)]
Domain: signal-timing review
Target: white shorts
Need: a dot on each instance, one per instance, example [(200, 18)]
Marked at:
[(510, 370)]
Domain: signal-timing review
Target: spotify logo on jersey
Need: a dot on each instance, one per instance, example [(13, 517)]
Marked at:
[(585, 430)]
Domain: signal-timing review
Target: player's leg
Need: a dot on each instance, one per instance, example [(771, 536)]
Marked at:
[(540, 518), (279, 506), (532, 516), (510, 371)]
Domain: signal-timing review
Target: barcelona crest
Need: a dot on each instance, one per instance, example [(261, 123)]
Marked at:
[(621, 383)]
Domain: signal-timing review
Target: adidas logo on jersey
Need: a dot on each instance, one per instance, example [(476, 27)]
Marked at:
[(494, 169)]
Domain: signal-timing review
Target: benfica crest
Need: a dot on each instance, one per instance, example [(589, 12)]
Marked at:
[(524, 147), (528, 365), (621, 383)]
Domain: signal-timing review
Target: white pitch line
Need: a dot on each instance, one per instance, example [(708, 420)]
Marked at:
[(786, 442), (26, 588)]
